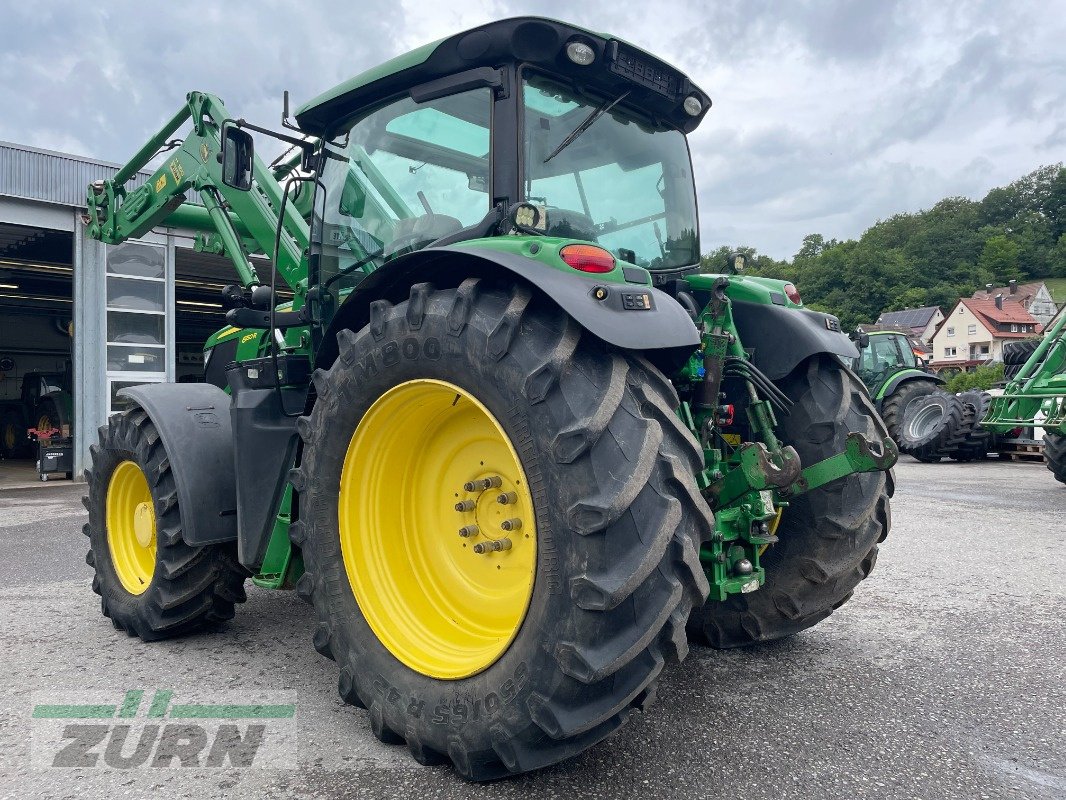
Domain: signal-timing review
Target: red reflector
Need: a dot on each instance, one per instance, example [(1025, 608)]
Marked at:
[(793, 293), (587, 258)]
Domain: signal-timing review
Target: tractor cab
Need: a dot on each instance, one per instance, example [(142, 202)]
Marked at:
[(882, 354), (585, 132)]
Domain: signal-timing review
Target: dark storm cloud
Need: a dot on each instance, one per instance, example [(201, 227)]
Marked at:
[(828, 114)]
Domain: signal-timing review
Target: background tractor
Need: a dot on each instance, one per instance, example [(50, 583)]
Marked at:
[(44, 404), (893, 374), (505, 439)]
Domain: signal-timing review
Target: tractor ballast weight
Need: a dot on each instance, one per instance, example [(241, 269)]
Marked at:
[(506, 438)]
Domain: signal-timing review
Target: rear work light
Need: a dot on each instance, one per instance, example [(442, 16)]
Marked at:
[(793, 293), (587, 258)]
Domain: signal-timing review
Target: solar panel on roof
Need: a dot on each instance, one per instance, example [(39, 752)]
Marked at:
[(908, 317)]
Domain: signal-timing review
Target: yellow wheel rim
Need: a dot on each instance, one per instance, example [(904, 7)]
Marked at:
[(131, 527), (427, 464), (10, 436)]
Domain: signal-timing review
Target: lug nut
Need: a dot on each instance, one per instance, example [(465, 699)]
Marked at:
[(468, 530), (465, 505), (511, 524), (494, 546), (506, 498), (491, 482)]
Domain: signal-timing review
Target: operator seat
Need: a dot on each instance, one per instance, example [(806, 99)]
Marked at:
[(568, 224), (414, 233)]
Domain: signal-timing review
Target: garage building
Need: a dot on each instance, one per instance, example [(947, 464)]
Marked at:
[(80, 320)]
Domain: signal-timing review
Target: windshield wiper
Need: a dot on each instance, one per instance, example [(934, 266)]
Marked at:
[(585, 125)]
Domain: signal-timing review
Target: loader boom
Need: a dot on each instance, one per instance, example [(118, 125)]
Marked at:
[(1039, 387), (241, 221)]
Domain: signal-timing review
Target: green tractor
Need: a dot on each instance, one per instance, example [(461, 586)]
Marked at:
[(506, 439), (893, 374)]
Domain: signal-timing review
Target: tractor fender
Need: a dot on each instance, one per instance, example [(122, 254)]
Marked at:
[(907, 375), (193, 421), (665, 328), (780, 338)]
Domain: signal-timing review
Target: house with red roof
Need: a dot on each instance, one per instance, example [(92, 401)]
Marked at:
[(974, 331), (1035, 298)]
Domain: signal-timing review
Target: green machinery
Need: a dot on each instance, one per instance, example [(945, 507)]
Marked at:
[(1036, 396), (893, 374), (507, 440)]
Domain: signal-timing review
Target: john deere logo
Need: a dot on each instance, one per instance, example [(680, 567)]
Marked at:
[(152, 729)]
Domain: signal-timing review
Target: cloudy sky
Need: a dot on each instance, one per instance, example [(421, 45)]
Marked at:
[(827, 115)]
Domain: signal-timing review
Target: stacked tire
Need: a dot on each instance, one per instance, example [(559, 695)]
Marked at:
[(941, 425), (1015, 354)]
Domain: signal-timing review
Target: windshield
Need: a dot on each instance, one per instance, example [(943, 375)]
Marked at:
[(402, 177), (621, 182)]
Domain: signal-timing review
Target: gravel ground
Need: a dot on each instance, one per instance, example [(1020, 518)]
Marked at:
[(943, 678)]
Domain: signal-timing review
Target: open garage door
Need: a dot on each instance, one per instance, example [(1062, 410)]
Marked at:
[(36, 309)]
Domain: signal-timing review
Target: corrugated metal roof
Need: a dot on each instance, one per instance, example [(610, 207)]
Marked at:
[(50, 177)]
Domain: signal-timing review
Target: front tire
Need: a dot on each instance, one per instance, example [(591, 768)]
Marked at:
[(151, 583), (614, 505), (13, 439), (829, 536)]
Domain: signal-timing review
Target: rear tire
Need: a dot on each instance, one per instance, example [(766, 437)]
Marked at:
[(1055, 455), (893, 406), (618, 518), (187, 587), (828, 537)]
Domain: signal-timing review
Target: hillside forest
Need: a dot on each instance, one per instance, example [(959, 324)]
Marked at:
[(932, 257)]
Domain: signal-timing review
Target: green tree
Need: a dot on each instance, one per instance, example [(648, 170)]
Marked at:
[(1000, 258)]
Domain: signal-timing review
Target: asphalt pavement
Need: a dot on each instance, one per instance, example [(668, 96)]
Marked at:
[(944, 677)]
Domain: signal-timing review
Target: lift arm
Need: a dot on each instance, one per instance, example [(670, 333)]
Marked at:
[(237, 218), (1040, 386)]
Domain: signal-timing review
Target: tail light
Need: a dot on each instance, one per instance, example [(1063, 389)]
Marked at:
[(587, 258), (793, 294)]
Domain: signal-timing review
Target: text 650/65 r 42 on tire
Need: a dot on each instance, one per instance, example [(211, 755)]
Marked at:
[(453, 413)]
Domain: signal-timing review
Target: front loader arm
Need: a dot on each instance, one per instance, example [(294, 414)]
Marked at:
[(118, 213)]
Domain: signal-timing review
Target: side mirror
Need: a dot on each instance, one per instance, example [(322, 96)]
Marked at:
[(238, 153), (861, 339)]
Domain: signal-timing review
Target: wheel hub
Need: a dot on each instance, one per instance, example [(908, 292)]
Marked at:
[(144, 524), (131, 527), (925, 421), (437, 529)]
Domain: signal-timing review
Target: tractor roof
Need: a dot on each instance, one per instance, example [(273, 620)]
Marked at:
[(655, 87)]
